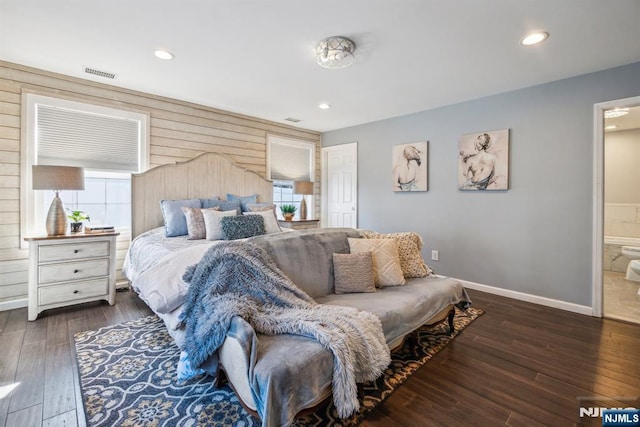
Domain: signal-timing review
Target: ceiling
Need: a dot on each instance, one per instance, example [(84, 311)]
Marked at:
[(629, 121), (256, 57)]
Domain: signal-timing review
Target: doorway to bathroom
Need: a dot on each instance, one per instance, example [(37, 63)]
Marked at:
[(617, 210)]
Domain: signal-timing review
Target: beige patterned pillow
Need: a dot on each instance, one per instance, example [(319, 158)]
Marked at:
[(260, 207), (353, 273), (195, 222), (386, 262), (409, 245)]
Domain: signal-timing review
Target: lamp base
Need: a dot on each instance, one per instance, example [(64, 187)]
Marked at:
[(303, 208), (56, 218)]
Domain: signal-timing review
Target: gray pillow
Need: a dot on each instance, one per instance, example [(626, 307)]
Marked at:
[(353, 273), (241, 227)]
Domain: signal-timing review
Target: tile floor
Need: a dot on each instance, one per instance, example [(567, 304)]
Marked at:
[(621, 299)]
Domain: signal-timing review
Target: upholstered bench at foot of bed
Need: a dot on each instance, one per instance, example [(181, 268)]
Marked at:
[(301, 368), (403, 309)]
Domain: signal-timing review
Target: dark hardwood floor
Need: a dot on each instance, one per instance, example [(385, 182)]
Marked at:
[(520, 364)]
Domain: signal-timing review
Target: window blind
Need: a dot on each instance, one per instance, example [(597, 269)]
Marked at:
[(68, 137), (291, 162)]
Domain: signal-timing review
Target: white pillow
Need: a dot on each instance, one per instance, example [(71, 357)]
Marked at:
[(213, 222), (270, 221)]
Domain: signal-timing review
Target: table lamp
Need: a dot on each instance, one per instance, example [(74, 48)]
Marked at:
[(57, 178), (304, 188)]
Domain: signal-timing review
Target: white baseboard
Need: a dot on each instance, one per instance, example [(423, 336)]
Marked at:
[(535, 299), (16, 303)]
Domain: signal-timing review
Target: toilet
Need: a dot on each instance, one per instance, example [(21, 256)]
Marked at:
[(633, 270)]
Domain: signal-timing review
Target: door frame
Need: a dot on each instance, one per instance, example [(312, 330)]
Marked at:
[(325, 187), (597, 276)]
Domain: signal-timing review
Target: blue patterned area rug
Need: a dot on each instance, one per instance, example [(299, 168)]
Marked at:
[(128, 378)]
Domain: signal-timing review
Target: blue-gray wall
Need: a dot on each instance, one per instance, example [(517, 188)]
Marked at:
[(534, 238)]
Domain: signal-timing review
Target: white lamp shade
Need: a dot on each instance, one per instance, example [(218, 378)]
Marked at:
[(57, 178)]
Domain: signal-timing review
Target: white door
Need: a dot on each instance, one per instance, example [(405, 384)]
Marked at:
[(340, 186)]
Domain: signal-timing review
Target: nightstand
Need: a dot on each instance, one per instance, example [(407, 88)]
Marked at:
[(71, 269), (299, 224)]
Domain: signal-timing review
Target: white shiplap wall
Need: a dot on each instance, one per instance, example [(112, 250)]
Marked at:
[(179, 131)]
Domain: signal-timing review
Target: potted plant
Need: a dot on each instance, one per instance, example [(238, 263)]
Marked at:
[(288, 211), (76, 218)]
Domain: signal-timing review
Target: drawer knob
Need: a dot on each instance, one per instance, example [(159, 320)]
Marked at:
[(76, 251), (76, 291), (76, 271)]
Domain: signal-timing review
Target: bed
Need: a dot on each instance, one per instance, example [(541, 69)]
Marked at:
[(155, 264)]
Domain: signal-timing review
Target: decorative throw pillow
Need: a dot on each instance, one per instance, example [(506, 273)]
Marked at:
[(195, 222), (259, 207), (409, 245), (213, 222), (353, 273), (175, 224), (386, 262), (241, 227), (210, 199), (270, 221), (224, 205), (244, 200)]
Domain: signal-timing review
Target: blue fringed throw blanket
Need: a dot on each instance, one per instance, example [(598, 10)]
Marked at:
[(240, 279)]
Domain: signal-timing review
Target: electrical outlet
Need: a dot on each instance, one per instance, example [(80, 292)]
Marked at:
[(435, 255)]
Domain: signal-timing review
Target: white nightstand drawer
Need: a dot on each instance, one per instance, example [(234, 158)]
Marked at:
[(72, 291), (75, 250), (66, 271)]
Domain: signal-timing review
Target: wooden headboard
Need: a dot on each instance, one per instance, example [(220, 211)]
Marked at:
[(207, 175)]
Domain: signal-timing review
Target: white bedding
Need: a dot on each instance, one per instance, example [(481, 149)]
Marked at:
[(150, 247), (155, 264)]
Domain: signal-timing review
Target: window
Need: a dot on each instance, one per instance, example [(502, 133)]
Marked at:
[(106, 198), (283, 195), (109, 144), (289, 160)]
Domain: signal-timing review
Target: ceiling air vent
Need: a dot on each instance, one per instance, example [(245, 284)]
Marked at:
[(99, 73), (292, 120)]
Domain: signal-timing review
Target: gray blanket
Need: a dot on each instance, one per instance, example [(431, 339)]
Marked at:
[(239, 279)]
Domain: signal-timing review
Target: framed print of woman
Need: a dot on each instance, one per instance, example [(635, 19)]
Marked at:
[(410, 167), (483, 161)]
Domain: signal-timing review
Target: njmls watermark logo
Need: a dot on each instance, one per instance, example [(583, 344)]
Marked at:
[(609, 412)]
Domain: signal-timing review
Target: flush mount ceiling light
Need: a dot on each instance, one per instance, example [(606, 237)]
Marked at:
[(163, 54), (534, 38), (616, 112), (324, 106), (335, 52), (610, 127)]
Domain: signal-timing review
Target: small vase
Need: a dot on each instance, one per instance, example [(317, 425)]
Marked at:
[(76, 227), (288, 216)]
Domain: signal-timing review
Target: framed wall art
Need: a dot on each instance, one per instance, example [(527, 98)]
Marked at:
[(410, 167), (483, 161)]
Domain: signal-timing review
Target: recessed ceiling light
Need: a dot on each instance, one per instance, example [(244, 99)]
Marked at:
[(611, 127), (324, 106), (534, 38), (616, 112), (163, 54)]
